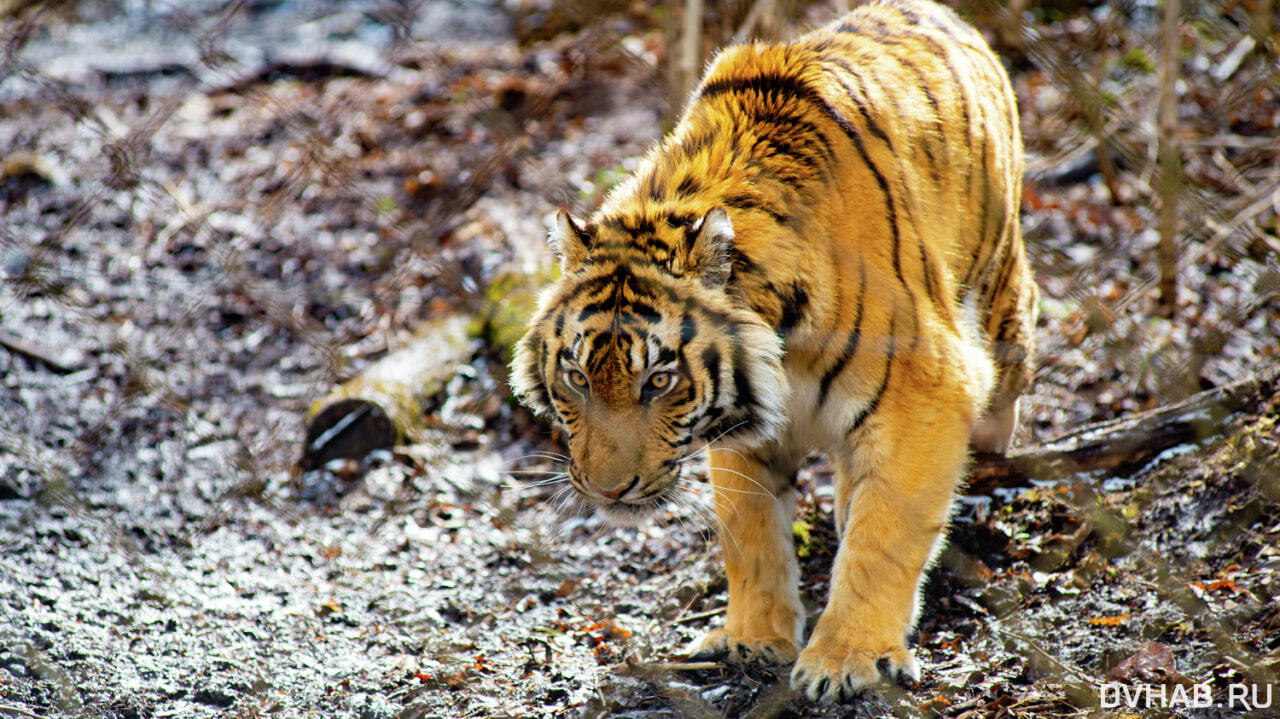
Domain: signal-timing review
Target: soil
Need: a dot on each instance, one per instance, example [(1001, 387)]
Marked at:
[(214, 213)]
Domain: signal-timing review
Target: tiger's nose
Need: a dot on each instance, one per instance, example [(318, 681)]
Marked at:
[(617, 493)]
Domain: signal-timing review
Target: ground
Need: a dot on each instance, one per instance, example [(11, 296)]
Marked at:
[(214, 214)]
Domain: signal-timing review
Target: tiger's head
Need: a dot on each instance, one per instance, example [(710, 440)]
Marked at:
[(641, 353)]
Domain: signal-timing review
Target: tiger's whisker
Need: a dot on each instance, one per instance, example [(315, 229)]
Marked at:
[(538, 455), (710, 442)]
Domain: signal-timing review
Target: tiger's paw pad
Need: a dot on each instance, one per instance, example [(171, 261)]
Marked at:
[(834, 676), (718, 643)]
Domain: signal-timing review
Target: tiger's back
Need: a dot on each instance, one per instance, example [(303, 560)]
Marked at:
[(880, 154), (824, 254)]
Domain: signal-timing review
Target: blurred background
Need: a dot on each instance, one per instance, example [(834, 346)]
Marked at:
[(214, 213)]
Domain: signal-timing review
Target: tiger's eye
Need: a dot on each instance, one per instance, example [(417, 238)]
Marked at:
[(658, 383), (577, 378)]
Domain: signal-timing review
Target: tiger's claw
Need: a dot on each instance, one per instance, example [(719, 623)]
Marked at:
[(719, 643), (835, 677)]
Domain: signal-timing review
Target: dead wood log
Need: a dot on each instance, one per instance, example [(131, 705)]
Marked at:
[(1129, 442), (383, 405)]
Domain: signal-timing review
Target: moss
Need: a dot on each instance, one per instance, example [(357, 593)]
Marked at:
[(509, 304)]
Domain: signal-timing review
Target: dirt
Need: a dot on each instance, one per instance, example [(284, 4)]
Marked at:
[(212, 215)]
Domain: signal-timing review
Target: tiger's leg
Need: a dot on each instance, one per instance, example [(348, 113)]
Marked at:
[(1012, 329), (753, 505), (894, 487)]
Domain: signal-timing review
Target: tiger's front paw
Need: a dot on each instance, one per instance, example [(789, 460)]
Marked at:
[(833, 670), (740, 650)]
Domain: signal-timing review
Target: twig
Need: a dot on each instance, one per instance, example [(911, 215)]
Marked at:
[(701, 615), (1221, 232), (19, 710), (30, 351), (1170, 170), (649, 667)]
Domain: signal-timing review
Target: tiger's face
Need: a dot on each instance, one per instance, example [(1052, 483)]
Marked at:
[(641, 360)]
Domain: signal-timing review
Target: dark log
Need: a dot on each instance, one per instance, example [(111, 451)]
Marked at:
[(383, 405), (1126, 443)]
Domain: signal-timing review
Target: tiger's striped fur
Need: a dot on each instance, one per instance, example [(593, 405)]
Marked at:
[(824, 255)]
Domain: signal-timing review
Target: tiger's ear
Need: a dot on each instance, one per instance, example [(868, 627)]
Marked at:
[(711, 253), (569, 240)]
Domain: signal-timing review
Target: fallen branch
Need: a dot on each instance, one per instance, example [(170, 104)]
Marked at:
[(26, 349), (646, 668), (19, 710), (701, 615), (1126, 442), (383, 405)]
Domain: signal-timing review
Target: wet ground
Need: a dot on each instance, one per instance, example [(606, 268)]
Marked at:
[(214, 214)]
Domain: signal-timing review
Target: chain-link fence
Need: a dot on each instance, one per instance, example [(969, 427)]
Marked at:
[(214, 212)]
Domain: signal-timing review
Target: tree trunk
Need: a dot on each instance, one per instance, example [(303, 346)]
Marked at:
[(1170, 167)]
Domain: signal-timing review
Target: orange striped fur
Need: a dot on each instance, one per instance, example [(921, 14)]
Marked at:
[(823, 255)]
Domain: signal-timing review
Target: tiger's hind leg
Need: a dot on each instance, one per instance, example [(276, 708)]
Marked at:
[(753, 506), (1011, 327), (894, 488)]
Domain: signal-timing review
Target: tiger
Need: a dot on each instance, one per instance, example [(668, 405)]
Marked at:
[(823, 256)]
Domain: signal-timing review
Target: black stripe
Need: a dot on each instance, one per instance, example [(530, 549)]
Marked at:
[(937, 50), (985, 240), (908, 14), (711, 365), (783, 86), (677, 220), (747, 202), (631, 225), (642, 311), (883, 184), (874, 404), (794, 304), (766, 84), (688, 330), (781, 147), (790, 135), (858, 96), (541, 399), (744, 265), (933, 286), (721, 428), (654, 186), (744, 393), (998, 263), (851, 345), (923, 84), (1006, 270), (599, 355), (850, 25), (795, 126), (562, 399), (654, 242)]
